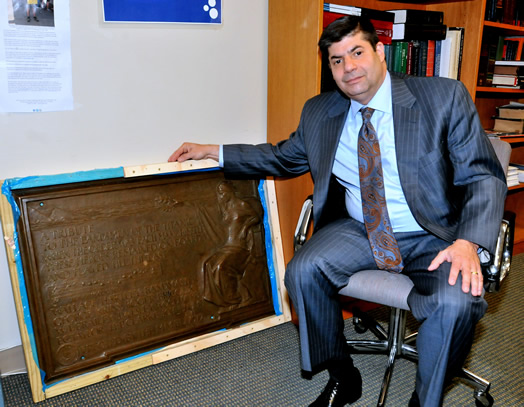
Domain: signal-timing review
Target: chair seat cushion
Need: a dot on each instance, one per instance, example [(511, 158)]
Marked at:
[(381, 287)]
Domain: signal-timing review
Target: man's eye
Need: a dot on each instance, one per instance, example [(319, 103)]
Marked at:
[(337, 61), (358, 53)]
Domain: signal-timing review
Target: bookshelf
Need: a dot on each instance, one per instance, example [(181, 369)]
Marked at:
[(487, 99), (294, 75), (515, 197), (491, 89)]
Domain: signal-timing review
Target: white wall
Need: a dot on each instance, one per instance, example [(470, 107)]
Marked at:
[(140, 90)]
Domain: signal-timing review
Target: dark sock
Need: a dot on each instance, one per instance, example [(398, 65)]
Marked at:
[(414, 401), (342, 370)]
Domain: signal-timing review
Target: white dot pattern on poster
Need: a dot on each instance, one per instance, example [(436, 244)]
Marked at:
[(210, 7)]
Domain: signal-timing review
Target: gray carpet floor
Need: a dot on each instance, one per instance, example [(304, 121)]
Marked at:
[(262, 369)]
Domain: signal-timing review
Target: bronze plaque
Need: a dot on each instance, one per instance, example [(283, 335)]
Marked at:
[(114, 268)]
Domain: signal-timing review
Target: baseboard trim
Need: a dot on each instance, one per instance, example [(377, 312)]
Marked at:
[(12, 361)]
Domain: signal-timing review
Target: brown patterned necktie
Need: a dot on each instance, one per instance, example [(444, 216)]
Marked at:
[(378, 225)]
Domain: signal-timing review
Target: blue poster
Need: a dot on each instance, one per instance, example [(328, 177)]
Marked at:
[(163, 11)]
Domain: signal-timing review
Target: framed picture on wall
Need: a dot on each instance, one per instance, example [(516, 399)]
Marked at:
[(163, 11)]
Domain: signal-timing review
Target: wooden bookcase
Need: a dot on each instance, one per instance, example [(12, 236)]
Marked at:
[(486, 100), (294, 71), (515, 198)]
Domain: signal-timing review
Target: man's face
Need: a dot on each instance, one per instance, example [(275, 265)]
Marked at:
[(357, 69)]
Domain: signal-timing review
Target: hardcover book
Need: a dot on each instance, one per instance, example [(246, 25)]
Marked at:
[(459, 46), (360, 11), (430, 61), (487, 63), (438, 51), (508, 70), (510, 112), (422, 58), (445, 58), (456, 36), (508, 80), (512, 177), (418, 16), (511, 125), (408, 31)]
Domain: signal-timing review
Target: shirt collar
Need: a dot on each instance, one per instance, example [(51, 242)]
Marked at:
[(381, 101)]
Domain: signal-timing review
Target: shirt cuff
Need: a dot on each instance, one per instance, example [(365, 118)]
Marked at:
[(220, 156)]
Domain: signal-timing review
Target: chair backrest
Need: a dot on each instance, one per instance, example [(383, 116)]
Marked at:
[(496, 267), (503, 151)]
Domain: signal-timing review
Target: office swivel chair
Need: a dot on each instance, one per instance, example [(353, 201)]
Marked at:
[(392, 289)]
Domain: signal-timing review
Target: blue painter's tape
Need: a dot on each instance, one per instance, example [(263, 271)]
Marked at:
[(269, 251), (1, 395), (42, 181)]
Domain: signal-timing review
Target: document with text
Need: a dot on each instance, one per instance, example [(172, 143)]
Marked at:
[(35, 56)]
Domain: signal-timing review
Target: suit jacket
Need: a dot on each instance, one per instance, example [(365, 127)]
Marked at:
[(450, 175)]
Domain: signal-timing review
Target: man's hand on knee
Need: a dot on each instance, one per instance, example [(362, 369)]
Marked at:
[(463, 257)]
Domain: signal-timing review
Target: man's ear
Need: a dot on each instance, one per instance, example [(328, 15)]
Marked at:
[(380, 51)]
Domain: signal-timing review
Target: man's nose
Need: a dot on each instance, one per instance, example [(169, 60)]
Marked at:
[(349, 64)]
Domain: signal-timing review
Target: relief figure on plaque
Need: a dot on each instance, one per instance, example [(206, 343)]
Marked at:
[(226, 267)]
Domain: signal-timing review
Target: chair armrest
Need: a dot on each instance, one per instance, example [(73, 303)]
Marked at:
[(495, 267), (303, 223)]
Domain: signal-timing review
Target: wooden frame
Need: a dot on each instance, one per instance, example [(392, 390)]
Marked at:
[(41, 392)]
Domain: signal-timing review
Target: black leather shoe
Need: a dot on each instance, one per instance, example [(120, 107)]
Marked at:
[(338, 394)]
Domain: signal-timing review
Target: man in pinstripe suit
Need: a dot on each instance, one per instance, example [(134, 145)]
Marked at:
[(445, 194)]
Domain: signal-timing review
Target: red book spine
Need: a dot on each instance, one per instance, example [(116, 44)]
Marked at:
[(409, 62), (329, 17), (384, 30), (430, 58)]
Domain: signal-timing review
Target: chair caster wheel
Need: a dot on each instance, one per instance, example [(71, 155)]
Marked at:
[(483, 400), (359, 326)]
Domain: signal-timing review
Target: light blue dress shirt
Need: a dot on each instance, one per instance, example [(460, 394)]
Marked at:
[(345, 167)]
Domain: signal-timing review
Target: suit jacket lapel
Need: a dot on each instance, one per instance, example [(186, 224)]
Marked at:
[(406, 121), (329, 136), (331, 132)]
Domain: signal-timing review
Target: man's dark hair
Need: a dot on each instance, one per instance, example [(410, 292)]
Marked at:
[(344, 26)]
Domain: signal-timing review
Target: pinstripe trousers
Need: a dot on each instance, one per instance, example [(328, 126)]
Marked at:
[(447, 314)]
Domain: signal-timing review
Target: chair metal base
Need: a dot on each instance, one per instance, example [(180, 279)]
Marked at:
[(395, 344)]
